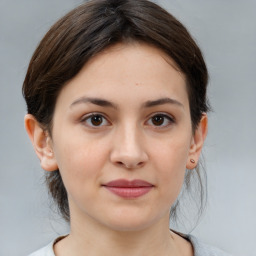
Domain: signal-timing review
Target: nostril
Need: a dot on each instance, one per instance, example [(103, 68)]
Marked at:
[(126, 165), (130, 166), (119, 163)]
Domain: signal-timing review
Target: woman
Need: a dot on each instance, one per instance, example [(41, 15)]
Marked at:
[(116, 100)]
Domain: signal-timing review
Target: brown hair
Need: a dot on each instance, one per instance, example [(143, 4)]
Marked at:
[(85, 32)]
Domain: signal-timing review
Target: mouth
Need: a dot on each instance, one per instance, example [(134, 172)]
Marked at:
[(129, 189)]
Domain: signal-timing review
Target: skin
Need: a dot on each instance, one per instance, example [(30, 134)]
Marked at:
[(131, 139)]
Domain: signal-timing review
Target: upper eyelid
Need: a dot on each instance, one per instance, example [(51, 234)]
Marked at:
[(93, 114), (163, 114)]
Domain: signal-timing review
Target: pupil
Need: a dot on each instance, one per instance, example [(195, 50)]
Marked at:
[(96, 120), (158, 120)]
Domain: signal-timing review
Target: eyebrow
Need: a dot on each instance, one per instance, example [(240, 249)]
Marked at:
[(96, 101), (106, 103), (162, 101)]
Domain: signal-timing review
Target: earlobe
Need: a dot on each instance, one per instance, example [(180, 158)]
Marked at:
[(41, 142), (197, 142)]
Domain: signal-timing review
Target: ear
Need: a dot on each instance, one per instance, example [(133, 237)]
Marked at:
[(42, 143), (197, 142)]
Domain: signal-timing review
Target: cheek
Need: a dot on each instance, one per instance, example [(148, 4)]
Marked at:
[(172, 153), (80, 161), (170, 161)]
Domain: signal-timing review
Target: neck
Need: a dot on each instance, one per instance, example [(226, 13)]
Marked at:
[(91, 239)]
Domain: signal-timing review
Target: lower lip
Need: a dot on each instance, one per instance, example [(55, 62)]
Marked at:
[(133, 192)]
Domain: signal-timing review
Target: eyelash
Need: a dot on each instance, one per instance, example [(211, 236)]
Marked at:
[(90, 116), (167, 118)]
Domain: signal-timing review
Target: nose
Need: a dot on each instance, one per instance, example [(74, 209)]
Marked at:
[(128, 149)]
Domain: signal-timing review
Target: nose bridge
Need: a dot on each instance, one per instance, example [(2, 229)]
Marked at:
[(128, 147), (129, 133)]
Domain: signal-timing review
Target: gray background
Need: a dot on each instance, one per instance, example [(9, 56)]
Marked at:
[(226, 32)]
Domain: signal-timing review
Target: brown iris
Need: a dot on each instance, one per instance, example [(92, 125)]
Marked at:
[(158, 120), (96, 120)]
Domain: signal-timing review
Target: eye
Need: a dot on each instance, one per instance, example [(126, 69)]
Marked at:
[(160, 120), (95, 120)]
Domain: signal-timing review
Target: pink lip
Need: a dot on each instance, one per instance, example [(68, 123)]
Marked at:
[(129, 189)]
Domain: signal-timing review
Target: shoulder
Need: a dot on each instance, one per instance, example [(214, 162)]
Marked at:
[(48, 249), (202, 249), (45, 251)]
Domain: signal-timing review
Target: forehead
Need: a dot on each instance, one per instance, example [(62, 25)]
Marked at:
[(135, 69), (123, 54)]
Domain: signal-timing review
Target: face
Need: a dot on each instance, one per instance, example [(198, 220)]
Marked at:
[(122, 137)]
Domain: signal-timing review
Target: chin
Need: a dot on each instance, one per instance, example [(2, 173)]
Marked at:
[(130, 222)]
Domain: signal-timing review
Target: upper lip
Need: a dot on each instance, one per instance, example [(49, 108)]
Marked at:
[(122, 183)]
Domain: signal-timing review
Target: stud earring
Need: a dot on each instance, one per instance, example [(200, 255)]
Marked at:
[(50, 153), (192, 161)]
